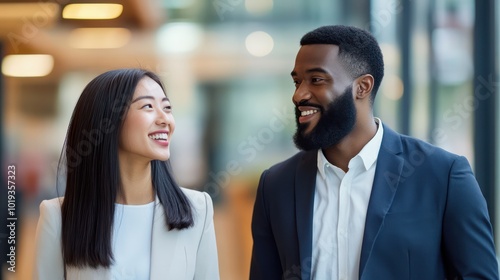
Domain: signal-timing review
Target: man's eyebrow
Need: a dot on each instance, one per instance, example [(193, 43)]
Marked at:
[(149, 97), (312, 70), (317, 69)]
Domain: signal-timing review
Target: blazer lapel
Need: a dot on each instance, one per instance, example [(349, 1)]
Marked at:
[(305, 182), (385, 184)]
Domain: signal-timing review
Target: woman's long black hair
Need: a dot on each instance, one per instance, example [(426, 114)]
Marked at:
[(89, 161)]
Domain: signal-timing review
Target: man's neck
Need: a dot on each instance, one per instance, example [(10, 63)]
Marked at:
[(341, 154)]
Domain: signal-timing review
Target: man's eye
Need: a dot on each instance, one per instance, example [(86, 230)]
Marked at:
[(316, 80)]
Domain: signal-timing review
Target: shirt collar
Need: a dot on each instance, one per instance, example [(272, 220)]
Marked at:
[(322, 164), (368, 154)]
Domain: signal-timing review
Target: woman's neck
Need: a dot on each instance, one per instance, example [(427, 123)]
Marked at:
[(136, 183)]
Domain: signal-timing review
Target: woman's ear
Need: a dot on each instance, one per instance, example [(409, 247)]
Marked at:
[(364, 86)]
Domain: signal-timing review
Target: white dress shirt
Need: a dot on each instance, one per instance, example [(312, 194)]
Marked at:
[(340, 205)]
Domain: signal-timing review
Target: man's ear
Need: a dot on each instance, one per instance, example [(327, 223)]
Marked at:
[(363, 86)]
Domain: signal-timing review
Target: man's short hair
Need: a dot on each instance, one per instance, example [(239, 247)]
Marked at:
[(359, 52)]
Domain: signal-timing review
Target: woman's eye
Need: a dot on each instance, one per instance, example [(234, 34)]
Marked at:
[(149, 106), (167, 108)]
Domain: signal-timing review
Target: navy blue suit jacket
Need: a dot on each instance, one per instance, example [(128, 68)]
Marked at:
[(426, 218)]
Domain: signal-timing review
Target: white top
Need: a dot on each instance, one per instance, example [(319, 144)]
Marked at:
[(340, 205), (131, 241)]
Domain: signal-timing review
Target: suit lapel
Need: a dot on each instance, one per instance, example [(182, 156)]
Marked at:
[(385, 184), (305, 182)]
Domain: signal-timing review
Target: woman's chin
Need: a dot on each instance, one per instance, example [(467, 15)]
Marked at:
[(163, 157)]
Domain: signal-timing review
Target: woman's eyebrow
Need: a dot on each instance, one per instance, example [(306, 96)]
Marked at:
[(149, 97)]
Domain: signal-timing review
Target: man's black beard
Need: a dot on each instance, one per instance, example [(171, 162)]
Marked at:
[(335, 123)]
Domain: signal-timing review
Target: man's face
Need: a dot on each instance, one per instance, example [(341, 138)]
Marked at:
[(325, 109)]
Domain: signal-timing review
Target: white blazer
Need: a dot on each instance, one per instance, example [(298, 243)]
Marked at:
[(177, 254)]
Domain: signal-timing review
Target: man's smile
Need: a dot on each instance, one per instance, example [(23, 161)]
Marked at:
[(306, 113)]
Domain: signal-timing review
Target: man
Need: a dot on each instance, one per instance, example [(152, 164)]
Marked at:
[(361, 201)]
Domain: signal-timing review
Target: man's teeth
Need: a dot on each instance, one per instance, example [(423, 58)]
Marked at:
[(308, 112), (158, 136)]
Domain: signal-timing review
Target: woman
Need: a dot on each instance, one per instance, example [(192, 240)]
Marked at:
[(123, 215)]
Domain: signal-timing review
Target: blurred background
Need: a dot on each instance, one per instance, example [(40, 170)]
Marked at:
[(226, 67)]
